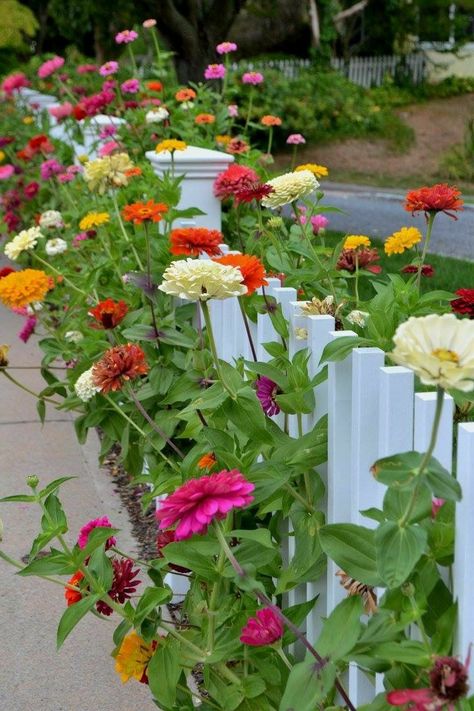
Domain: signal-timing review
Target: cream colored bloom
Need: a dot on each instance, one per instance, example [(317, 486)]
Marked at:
[(22, 242), (439, 349), (51, 219), (202, 279), (290, 187), (107, 172), (157, 115), (301, 334), (84, 386), (358, 318), (73, 336), (55, 246), (321, 307)]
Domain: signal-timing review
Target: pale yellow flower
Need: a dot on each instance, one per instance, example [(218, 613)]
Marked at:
[(290, 187), (22, 242), (202, 279), (107, 172), (354, 241)]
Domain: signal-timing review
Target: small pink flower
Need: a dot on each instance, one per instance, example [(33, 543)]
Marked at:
[(50, 168), (108, 68), (215, 71), (195, 504), (319, 222), (70, 174), (80, 237), (107, 131), (6, 171), (50, 66), (130, 86), (109, 84), (95, 523), (86, 68), (62, 111), (226, 47), (148, 24), (108, 148), (126, 36), (14, 82), (295, 139), (28, 328), (232, 110), (436, 504), (252, 78), (265, 628)]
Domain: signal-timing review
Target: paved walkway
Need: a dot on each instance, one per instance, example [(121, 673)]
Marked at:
[(81, 676)]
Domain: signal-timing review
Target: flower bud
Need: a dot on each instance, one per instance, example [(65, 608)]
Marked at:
[(32, 481)]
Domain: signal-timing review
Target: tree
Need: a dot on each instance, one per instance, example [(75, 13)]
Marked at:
[(17, 22)]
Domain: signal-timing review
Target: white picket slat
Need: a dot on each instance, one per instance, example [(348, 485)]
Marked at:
[(425, 405)]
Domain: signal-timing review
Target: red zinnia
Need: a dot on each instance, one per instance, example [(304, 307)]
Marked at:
[(465, 303), (124, 584), (265, 628), (73, 596), (253, 271), (234, 180), (5, 271), (138, 212), (351, 259), (426, 270), (255, 191), (109, 313), (196, 240), (119, 364), (438, 198), (448, 684)]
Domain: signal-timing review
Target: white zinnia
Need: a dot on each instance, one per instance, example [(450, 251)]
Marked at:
[(439, 349), (23, 241), (51, 219), (202, 279), (55, 246), (84, 386), (290, 187), (73, 336), (157, 115), (358, 318)]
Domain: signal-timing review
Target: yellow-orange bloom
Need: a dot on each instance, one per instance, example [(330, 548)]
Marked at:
[(319, 171), (94, 219), (24, 287), (207, 461), (133, 658), (185, 95), (223, 140), (406, 238), (269, 120), (170, 144), (355, 241)]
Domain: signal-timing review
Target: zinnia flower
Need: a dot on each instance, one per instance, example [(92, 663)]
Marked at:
[(237, 146), (207, 461), (253, 271), (126, 36), (93, 219), (290, 187), (154, 85), (215, 71), (226, 47), (465, 303), (55, 246), (426, 270), (118, 364), (85, 531), (197, 279), (195, 240), (139, 212), (448, 684), (438, 198), (171, 145), (73, 596), (406, 238), (234, 180), (13, 82), (109, 313), (84, 386), (295, 139), (6, 171), (204, 119), (51, 219), (319, 171), (109, 68), (255, 191), (439, 349), (362, 258), (157, 115), (269, 120), (148, 24), (50, 168), (130, 86), (266, 391), (24, 241), (28, 328), (50, 66), (355, 241), (185, 95), (133, 658), (124, 584), (254, 78), (232, 110), (265, 628), (107, 172), (358, 318), (195, 504), (62, 111)]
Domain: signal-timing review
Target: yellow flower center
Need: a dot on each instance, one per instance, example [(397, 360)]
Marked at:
[(445, 355)]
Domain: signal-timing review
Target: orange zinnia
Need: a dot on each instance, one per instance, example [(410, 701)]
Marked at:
[(131, 172), (195, 240), (438, 198), (207, 461), (154, 85), (237, 146), (204, 118), (73, 596), (253, 271), (119, 364), (109, 313), (269, 120), (139, 212), (185, 95)]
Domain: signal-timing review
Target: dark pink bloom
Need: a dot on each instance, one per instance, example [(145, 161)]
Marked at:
[(436, 504), (31, 190), (28, 328), (62, 111), (50, 66), (252, 78), (85, 68), (95, 523), (130, 86), (234, 180), (108, 148), (426, 270), (124, 584), (14, 82), (107, 131), (265, 628), (6, 171), (196, 503), (5, 141), (266, 391), (448, 683), (12, 221), (109, 68), (215, 71), (50, 168)]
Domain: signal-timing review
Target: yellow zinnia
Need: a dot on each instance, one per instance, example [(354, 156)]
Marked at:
[(107, 172), (355, 241), (27, 120), (319, 171), (133, 657), (406, 238), (171, 144), (94, 219), (24, 287), (223, 139)]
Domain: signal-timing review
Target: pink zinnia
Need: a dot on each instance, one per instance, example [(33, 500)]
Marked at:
[(232, 110), (80, 237), (109, 68), (234, 180), (195, 504), (108, 148), (107, 131), (62, 111), (148, 24), (50, 168), (266, 392), (14, 82), (295, 139), (265, 628), (50, 66), (226, 47), (85, 68), (28, 328), (126, 36), (130, 86), (95, 523), (6, 171), (436, 504), (215, 71), (252, 78)]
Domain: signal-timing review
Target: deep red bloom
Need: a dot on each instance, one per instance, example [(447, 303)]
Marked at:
[(124, 584), (426, 270), (265, 628), (233, 180), (437, 198), (109, 313), (5, 141), (253, 191), (5, 271), (31, 190), (162, 540), (364, 258), (12, 221), (196, 240), (119, 364), (448, 683), (465, 303)]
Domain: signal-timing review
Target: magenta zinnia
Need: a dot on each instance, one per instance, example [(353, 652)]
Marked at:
[(266, 391), (85, 531), (265, 628), (195, 504)]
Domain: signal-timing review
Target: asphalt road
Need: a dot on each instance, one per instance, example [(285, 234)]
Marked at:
[(378, 213)]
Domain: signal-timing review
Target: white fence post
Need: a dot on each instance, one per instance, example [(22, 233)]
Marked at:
[(396, 410), (425, 406)]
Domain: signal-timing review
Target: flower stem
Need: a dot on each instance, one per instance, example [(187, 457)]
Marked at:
[(132, 59), (283, 657), (26, 389), (247, 328), (212, 345), (53, 269), (212, 607), (249, 111), (270, 140), (150, 283), (124, 231), (153, 424), (429, 229), (356, 280)]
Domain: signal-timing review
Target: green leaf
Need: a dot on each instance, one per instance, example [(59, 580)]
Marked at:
[(341, 347), (398, 551), (56, 563), (25, 498), (353, 549), (399, 470), (441, 483), (55, 518), (100, 566), (259, 535), (297, 614), (342, 628), (73, 615), (53, 485), (246, 413), (164, 672), (307, 686), (149, 600), (41, 409), (396, 502), (97, 537), (405, 651), (269, 371)]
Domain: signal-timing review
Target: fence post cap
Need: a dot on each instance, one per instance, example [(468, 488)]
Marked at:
[(193, 161)]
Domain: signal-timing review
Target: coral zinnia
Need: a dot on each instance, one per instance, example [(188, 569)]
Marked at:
[(196, 240), (266, 391), (119, 364), (73, 596), (109, 313), (269, 120), (465, 303), (195, 504), (234, 180), (124, 584), (139, 212), (207, 461), (438, 198), (253, 271), (204, 119), (265, 628), (185, 95), (362, 258), (24, 287), (133, 658)]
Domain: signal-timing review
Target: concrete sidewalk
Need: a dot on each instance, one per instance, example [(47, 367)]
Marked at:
[(81, 676)]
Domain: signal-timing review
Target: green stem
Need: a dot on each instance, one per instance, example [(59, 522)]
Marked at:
[(429, 229), (53, 269), (154, 36), (270, 140), (296, 495), (247, 328), (212, 345), (284, 658), (26, 389), (16, 564), (153, 424), (419, 622), (199, 653), (249, 111), (356, 280), (124, 231), (150, 283), (212, 607), (132, 59)]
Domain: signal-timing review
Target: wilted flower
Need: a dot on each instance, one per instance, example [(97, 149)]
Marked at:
[(133, 658), (360, 258), (51, 219), (320, 307), (73, 336), (215, 71), (263, 629), (73, 596), (118, 365), (84, 385), (237, 146), (4, 355), (266, 392), (196, 279), (290, 187), (157, 115), (55, 246), (107, 172), (354, 587), (24, 241), (358, 318), (448, 684), (301, 334)]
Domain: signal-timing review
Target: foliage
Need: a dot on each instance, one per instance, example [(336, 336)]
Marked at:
[(17, 21)]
